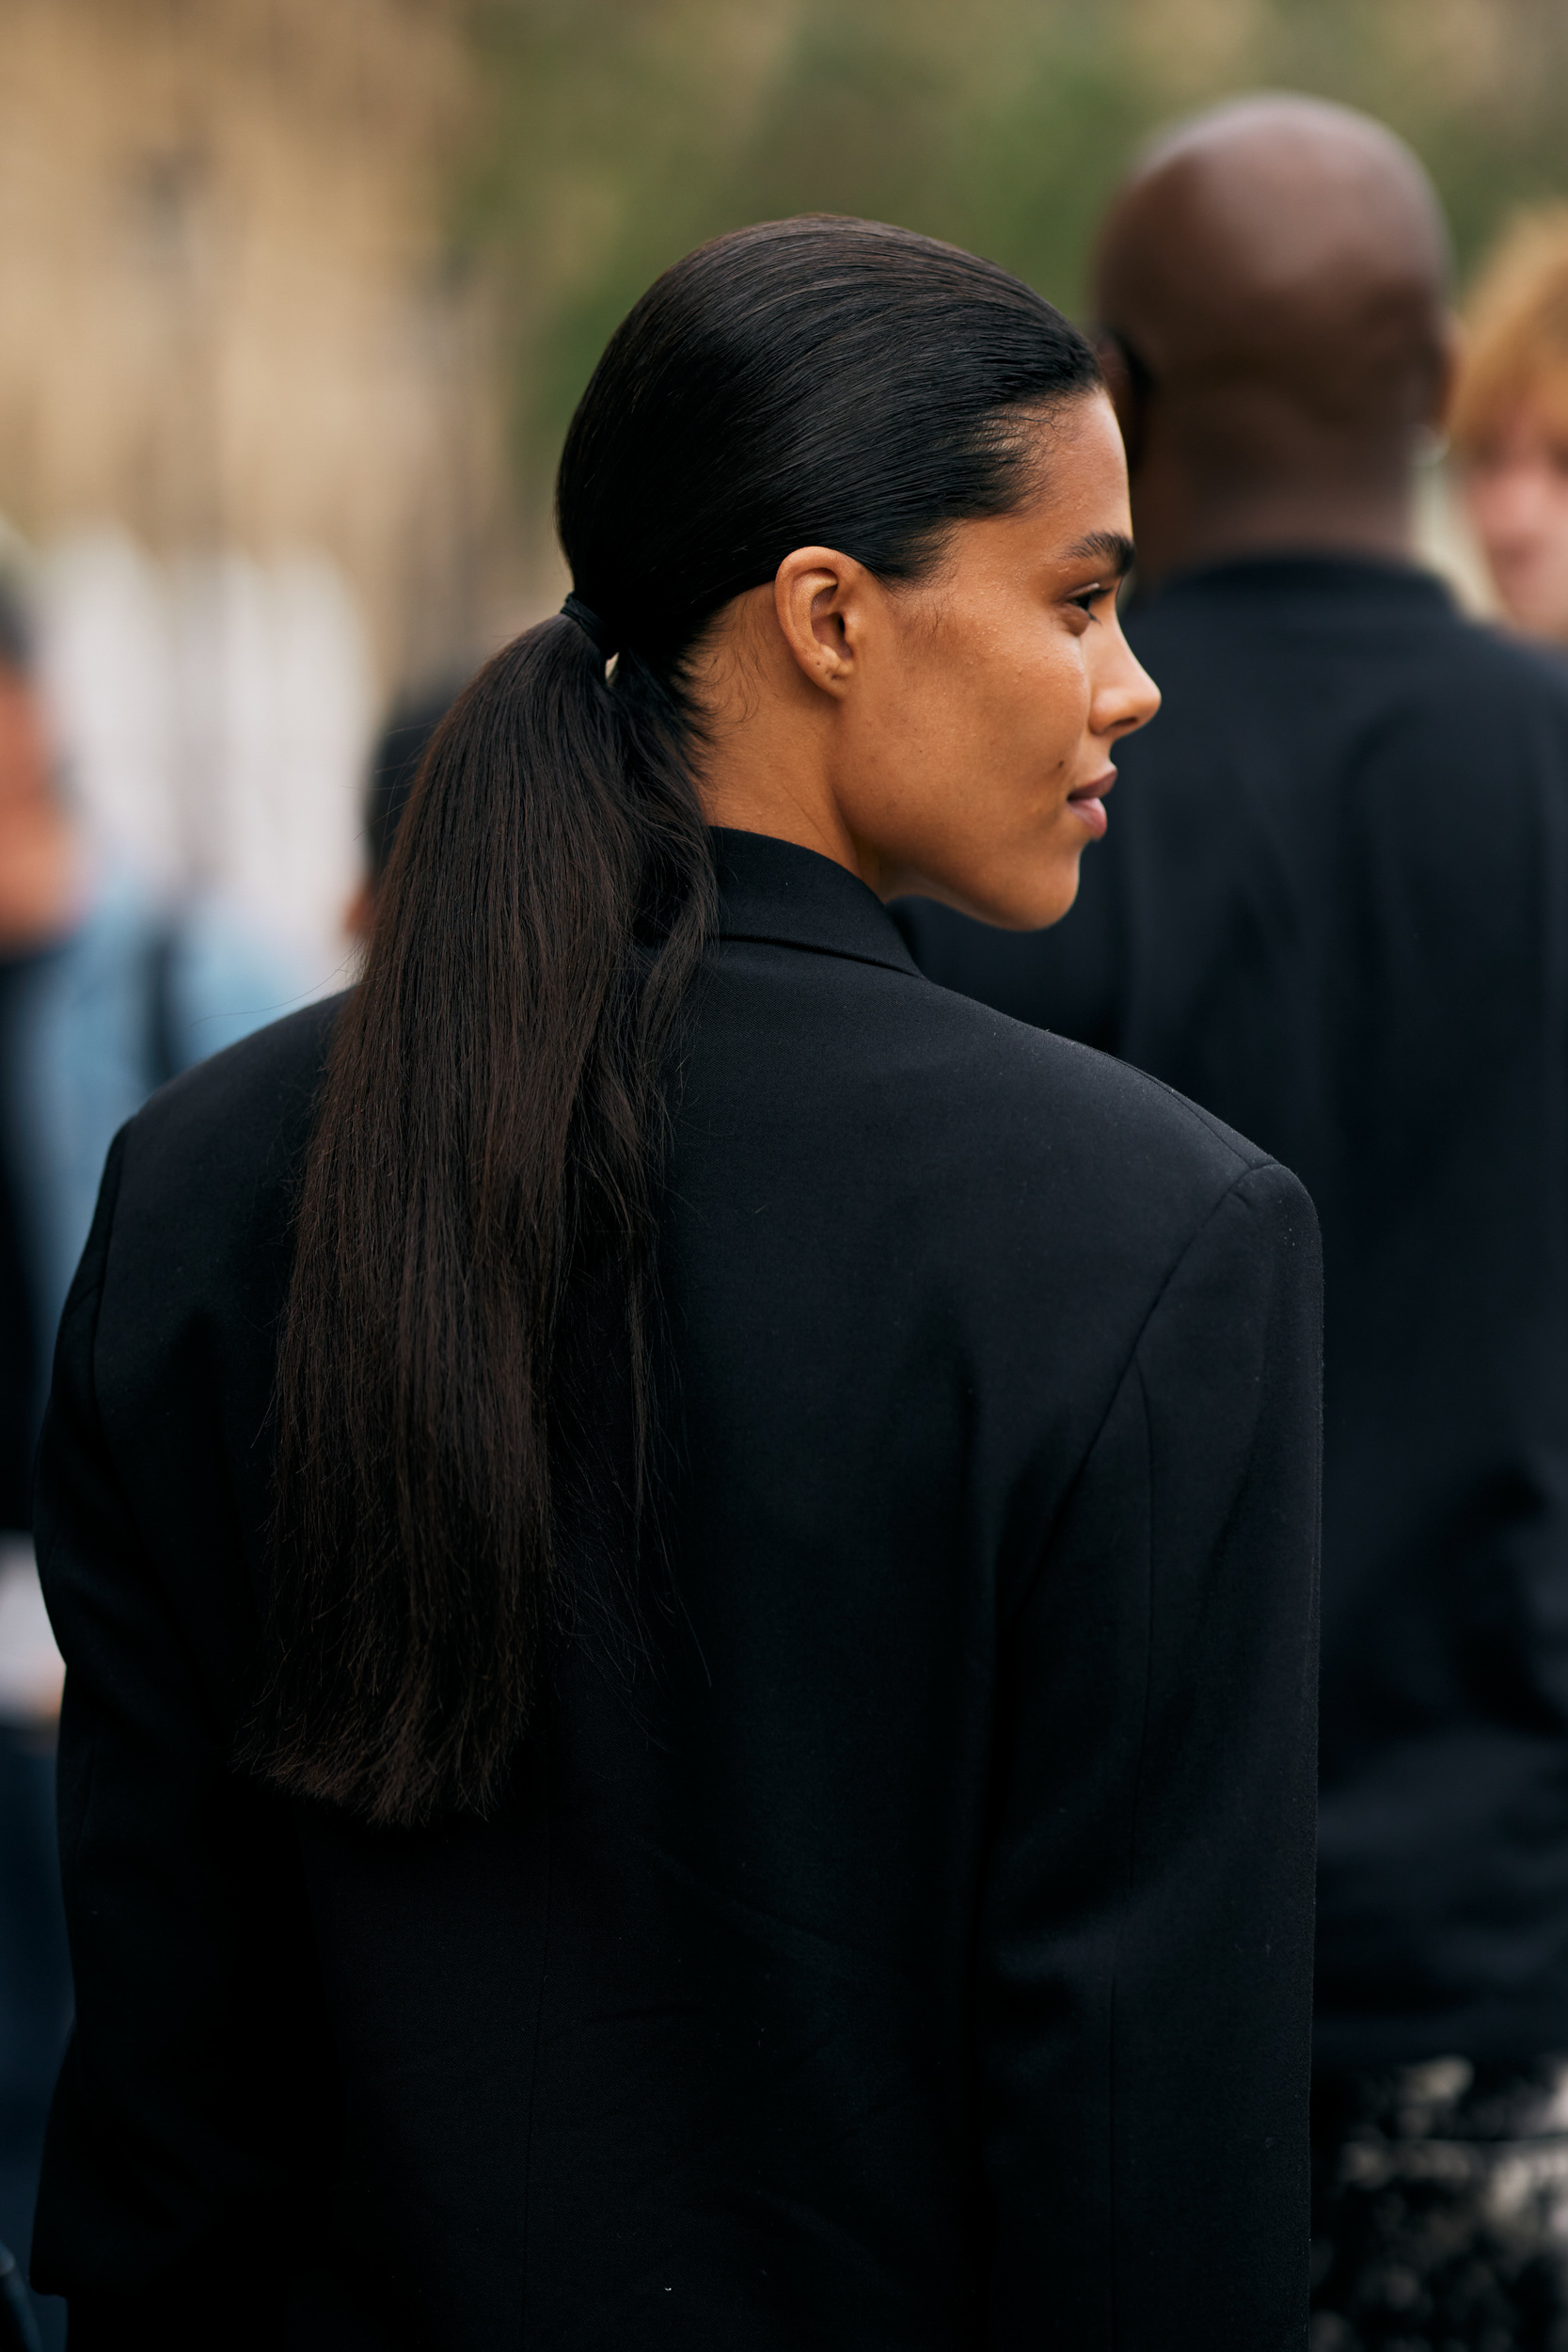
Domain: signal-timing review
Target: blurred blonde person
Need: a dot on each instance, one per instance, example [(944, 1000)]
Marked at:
[(1510, 423)]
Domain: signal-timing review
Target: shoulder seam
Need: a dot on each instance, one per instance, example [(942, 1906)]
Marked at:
[(1130, 1364), (1214, 1128)]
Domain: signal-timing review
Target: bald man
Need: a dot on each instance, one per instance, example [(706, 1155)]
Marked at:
[(1333, 908)]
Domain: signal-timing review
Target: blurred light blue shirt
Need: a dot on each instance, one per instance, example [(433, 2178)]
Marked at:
[(84, 1039)]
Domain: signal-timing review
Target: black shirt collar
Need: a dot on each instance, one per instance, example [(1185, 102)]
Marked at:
[(1308, 576), (776, 893)]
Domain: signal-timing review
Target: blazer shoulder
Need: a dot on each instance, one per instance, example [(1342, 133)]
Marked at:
[(1049, 1173), (233, 1127), (1017, 1082)]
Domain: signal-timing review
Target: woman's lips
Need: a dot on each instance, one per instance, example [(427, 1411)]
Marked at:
[(1089, 802)]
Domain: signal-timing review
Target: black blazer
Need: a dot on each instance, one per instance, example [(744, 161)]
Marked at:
[(914, 1952), (1333, 906)]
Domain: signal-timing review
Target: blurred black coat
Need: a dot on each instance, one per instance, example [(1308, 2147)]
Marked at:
[(1333, 908), (915, 1951)]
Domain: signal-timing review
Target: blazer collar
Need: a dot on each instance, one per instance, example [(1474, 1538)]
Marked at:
[(776, 892), (1313, 578)]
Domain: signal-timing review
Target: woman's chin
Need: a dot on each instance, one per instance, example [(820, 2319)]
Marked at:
[(1011, 894), (1028, 901)]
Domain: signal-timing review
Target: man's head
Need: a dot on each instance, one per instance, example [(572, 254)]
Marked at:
[(1272, 286)]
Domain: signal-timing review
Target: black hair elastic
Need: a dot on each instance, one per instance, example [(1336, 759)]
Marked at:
[(601, 639)]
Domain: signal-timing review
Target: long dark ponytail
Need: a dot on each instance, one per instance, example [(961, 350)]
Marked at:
[(492, 1112)]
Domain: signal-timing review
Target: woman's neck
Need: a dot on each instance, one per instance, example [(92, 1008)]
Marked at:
[(769, 740)]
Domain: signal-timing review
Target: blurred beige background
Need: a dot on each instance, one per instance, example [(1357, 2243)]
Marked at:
[(296, 296), (249, 418)]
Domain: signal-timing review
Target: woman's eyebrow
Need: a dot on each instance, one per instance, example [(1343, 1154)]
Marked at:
[(1113, 549)]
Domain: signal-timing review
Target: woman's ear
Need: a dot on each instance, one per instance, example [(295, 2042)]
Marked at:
[(819, 599)]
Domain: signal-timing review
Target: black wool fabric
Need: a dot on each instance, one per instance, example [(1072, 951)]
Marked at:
[(21, 1359), (1333, 906), (908, 1945)]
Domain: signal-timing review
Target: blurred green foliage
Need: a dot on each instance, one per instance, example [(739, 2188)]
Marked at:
[(616, 134)]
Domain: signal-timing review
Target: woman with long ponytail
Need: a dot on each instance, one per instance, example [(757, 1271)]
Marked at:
[(687, 1565)]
